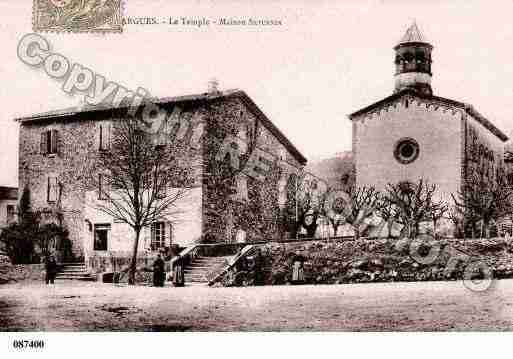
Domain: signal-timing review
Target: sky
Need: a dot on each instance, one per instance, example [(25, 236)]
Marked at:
[(327, 60)]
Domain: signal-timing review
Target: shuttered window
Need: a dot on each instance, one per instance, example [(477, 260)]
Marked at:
[(52, 189), (161, 235), (49, 142), (103, 187), (241, 187), (104, 133)]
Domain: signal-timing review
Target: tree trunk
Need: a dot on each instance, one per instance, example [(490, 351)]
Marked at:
[(133, 263), (356, 231)]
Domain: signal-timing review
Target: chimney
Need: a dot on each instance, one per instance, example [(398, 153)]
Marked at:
[(213, 86)]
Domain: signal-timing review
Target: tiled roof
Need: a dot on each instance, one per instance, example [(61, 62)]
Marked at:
[(67, 114), (469, 109)]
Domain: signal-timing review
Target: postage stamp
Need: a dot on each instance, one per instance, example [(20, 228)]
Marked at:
[(77, 16)]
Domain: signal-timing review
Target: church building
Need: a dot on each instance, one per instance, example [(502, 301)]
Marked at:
[(414, 134)]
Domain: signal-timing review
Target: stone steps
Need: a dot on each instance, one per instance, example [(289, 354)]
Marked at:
[(196, 272), (74, 271)]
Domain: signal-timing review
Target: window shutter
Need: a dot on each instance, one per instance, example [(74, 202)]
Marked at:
[(108, 128), (54, 141), (170, 241), (101, 147), (43, 144), (101, 186), (242, 187), (53, 189)]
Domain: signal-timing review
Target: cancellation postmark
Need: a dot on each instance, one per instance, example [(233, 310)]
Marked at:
[(77, 16)]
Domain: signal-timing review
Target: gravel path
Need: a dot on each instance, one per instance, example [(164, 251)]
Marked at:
[(426, 306)]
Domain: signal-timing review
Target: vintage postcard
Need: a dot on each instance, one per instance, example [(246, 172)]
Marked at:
[(241, 166), (77, 16)]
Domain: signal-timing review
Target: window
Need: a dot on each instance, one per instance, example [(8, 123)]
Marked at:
[(10, 213), (48, 144), (241, 183), (240, 236), (101, 236), (160, 235), (406, 150), (104, 137), (53, 190), (282, 154)]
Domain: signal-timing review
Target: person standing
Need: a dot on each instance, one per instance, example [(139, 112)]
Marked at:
[(259, 268), (51, 269), (159, 273)]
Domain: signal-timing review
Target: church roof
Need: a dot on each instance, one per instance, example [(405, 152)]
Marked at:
[(413, 34), (468, 108)]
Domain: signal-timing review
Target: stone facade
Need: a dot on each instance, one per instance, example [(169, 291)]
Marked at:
[(226, 211), (57, 169), (452, 140)]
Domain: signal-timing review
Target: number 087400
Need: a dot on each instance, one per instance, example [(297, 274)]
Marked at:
[(28, 344)]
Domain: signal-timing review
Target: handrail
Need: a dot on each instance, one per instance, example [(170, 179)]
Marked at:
[(242, 253)]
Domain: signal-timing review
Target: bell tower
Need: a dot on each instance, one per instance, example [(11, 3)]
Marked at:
[(413, 62)]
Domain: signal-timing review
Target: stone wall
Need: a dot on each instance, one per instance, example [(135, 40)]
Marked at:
[(224, 213), (72, 163), (21, 272), (382, 260), (483, 150)]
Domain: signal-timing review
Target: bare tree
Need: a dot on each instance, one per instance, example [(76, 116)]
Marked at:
[(140, 180), (388, 212), (414, 203), (437, 212), (483, 198), (364, 202), (455, 214)]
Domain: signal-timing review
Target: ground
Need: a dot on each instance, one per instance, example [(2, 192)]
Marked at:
[(426, 306)]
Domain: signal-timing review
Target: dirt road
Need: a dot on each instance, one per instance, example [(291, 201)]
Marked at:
[(426, 306)]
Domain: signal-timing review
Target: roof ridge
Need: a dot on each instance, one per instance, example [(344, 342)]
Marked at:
[(80, 108), (467, 107)]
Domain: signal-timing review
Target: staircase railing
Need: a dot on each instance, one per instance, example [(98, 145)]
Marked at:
[(206, 250), (245, 251)]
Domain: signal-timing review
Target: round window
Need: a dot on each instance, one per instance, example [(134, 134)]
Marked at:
[(406, 150)]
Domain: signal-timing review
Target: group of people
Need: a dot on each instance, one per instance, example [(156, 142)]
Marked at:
[(159, 272)]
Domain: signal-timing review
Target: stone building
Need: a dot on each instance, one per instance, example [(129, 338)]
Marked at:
[(57, 151), (415, 134)]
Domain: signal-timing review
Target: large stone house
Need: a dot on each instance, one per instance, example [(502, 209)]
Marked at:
[(414, 134), (56, 151)]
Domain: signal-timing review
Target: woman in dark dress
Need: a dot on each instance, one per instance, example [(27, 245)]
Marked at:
[(51, 269), (159, 274)]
